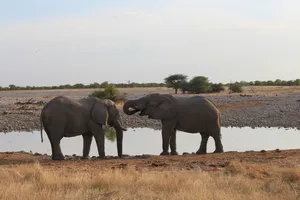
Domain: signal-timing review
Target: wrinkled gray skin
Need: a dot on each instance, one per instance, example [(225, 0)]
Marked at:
[(193, 115), (64, 117)]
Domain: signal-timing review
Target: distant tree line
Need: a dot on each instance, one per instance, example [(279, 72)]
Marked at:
[(198, 84), (201, 84), (81, 86)]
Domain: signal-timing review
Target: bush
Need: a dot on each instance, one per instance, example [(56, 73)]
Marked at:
[(236, 88), (199, 84), (217, 87), (110, 92)]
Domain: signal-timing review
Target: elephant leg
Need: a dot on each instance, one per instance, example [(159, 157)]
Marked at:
[(55, 134), (87, 140), (100, 140), (173, 143), (203, 145), (56, 149), (167, 129), (218, 143)]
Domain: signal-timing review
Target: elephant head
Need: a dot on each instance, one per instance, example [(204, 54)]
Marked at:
[(106, 113), (155, 106)]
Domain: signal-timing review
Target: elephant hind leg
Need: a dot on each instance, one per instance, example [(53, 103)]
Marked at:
[(55, 135), (218, 143), (203, 144)]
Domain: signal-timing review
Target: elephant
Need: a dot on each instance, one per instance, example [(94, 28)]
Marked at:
[(66, 117), (195, 114)]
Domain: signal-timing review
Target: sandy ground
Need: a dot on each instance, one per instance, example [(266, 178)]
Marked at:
[(265, 107), (208, 162)]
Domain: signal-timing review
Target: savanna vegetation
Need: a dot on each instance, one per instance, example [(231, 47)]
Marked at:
[(236, 181), (198, 84)]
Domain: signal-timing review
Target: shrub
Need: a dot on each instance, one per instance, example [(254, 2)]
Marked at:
[(199, 84), (217, 87), (236, 88), (110, 92)]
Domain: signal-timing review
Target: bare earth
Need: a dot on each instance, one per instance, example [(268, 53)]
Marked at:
[(267, 106), (231, 175)]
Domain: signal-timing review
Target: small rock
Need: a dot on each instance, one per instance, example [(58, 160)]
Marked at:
[(185, 153), (263, 151)]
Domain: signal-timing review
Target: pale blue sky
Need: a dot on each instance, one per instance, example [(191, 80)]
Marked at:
[(71, 41)]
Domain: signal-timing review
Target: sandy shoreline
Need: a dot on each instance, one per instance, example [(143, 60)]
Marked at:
[(256, 110)]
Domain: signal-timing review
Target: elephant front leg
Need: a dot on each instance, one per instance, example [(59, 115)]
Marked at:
[(203, 145), (167, 129), (173, 143), (87, 140), (99, 137)]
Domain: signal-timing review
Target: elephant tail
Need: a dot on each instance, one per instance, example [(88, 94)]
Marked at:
[(41, 123), (219, 121)]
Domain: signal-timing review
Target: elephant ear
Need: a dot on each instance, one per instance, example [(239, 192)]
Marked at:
[(165, 109), (100, 113)]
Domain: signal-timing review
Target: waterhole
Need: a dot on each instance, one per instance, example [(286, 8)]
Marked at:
[(148, 141)]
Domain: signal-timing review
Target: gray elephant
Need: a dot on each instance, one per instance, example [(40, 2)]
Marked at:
[(65, 117), (193, 115)]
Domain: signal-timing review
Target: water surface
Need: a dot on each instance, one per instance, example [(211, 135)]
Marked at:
[(148, 141)]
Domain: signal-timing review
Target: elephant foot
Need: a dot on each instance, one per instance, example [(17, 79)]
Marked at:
[(101, 156), (174, 153), (219, 151), (164, 153), (201, 151), (85, 157), (58, 158)]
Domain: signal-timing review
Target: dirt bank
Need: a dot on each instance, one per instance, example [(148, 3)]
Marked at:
[(19, 111)]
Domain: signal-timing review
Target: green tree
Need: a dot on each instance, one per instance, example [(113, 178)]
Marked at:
[(297, 81), (200, 84), (184, 86), (13, 87), (104, 84), (217, 87), (174, 81), (236, 88), (110, 92)]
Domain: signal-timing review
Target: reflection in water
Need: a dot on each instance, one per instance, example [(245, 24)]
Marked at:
[(148, 141)]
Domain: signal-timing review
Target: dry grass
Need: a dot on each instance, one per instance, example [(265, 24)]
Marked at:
[(237, 181)]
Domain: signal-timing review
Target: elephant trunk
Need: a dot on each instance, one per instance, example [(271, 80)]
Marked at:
[(119, 133), (120, 142), (130, 104)]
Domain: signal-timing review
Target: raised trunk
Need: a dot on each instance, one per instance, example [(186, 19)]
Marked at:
[(130, 104)]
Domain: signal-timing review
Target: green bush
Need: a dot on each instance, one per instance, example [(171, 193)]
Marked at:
[(110, 92), (236, 88), (217, 87), (199, 84), (110, 134)]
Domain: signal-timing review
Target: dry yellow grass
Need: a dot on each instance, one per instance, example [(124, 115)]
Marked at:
[(237, 181)]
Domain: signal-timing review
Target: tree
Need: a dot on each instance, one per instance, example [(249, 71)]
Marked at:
[(104, 84), (184, 86), (236, 88), (217, 87), (110, 92), (174, 81), (200, 84), (297, 81)]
